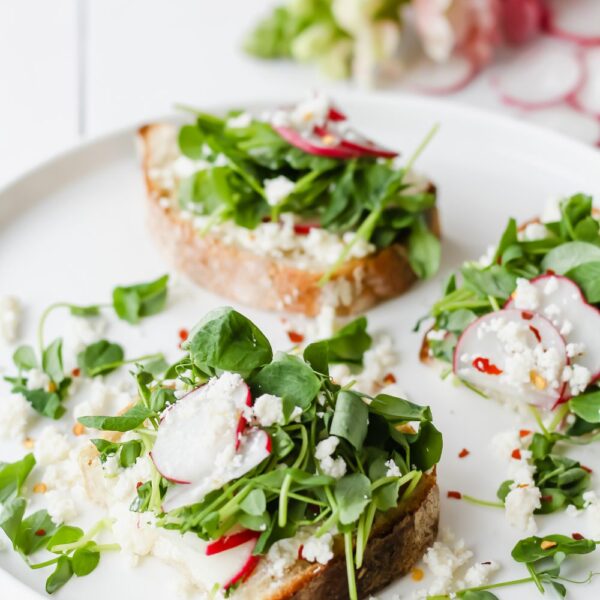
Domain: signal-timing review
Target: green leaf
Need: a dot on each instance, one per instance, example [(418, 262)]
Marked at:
[(225, 340), (52, 361), (191, 142), (14, 475), (587, 277), (317, 356), (84, 311), (399, 410), (504, 489), (130, 452), (569, 256), (509, 237), (493, 281), (85, 560), (133, 302), (290, 378), (529, 549), (255, 503), (62, 573), (350, 419), (24, 358), (34, 533), (352, 493), (349, 344), (587, 406), (46, 403), (65, 534), (100, 358), (282, 442), (426, 449), (11, 515), (477, 595), (424, 251), (129, 420)]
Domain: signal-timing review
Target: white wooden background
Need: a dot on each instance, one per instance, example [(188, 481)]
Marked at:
[(74, 69)]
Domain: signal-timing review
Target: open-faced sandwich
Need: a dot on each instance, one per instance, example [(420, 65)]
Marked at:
[(290, 210), (523, 323), (280, 483)]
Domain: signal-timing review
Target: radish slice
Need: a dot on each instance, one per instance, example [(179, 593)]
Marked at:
[(587, 99), (314, 145), (429, 77), (566, 120), (562, 301), (575, 21), (228, 542), (540, 77), (512, 353), (244, 573), (198, 444)]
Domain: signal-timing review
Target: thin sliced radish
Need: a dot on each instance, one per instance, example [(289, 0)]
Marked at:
[(228, 542), (429, 77), (245, 572), (587, 99), (562, 301), (544, 75), (312, 144), (336, 115), (575, 21), (513, 353), (522, 20), (566, 120)]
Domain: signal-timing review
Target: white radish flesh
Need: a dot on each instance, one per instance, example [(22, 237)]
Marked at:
[(561, 301), (587, 99), (575, 20), (515, 354), (542, 76), (429, 77)]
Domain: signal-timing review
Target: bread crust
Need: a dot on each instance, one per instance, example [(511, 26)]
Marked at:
[(261, 281), (398, 541)]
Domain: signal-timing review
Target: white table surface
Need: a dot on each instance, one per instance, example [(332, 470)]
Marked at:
[(72, 69)]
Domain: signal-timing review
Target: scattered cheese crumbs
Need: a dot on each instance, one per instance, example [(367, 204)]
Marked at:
[(134, 532), (268, 410), (334, 467), (486, 259), (392, 469), (37, 379), (10, 318), (52, 446), (15, 416), (240, 121), (577, 377), (61, 506), (534, 232), (436, 334), (278, 189), (318, 549), (526, 295)]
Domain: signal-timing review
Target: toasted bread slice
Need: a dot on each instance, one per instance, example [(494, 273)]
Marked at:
[(262, 281), (398, 541)]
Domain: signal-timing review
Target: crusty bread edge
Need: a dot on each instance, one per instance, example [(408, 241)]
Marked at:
[(260, 281)]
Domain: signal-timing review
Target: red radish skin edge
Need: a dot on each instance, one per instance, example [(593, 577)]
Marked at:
[(336, 115), (295, 139), (368, 148), (242, 422), (227, 542), (552, 28), (595, 376), (169, 479), (245, 572)]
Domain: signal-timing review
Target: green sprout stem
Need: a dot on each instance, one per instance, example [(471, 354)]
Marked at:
[(479, 502)]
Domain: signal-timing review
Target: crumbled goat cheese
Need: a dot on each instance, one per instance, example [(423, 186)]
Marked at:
[(51, 446), (98, 396), (268, 410), (567, 328), (318, 549), (304, 116), (61, 506), (520, 503), (15, 414), (534, 232), (575, 349), (334, 467), (479, 574), (278, 189), (392, 469), (485, 260), (324, 325), (136, 533), (526, 295), (577, 377), (296, 415), (37, 379), (240, 121), (10, 318), (282, 555), (185, 167), (80, 333), (551, 212), (436, 335)]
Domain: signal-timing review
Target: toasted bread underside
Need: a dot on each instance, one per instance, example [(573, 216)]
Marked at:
[(256, 280), (398, 541)]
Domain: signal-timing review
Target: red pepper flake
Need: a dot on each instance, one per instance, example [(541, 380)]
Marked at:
[(40, 532), (546, 498), (464, 452), (550, 272), (524, 432), (300, 557), (527, 315), (577, 536), (76, 372), (586, 469), (389, 378), (536, 332), (455, 495), (516, 454), (483, 365), (183, 334), (138, 485), (295, 337)]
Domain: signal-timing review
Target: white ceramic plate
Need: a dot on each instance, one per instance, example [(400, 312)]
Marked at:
[(74, 228)]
